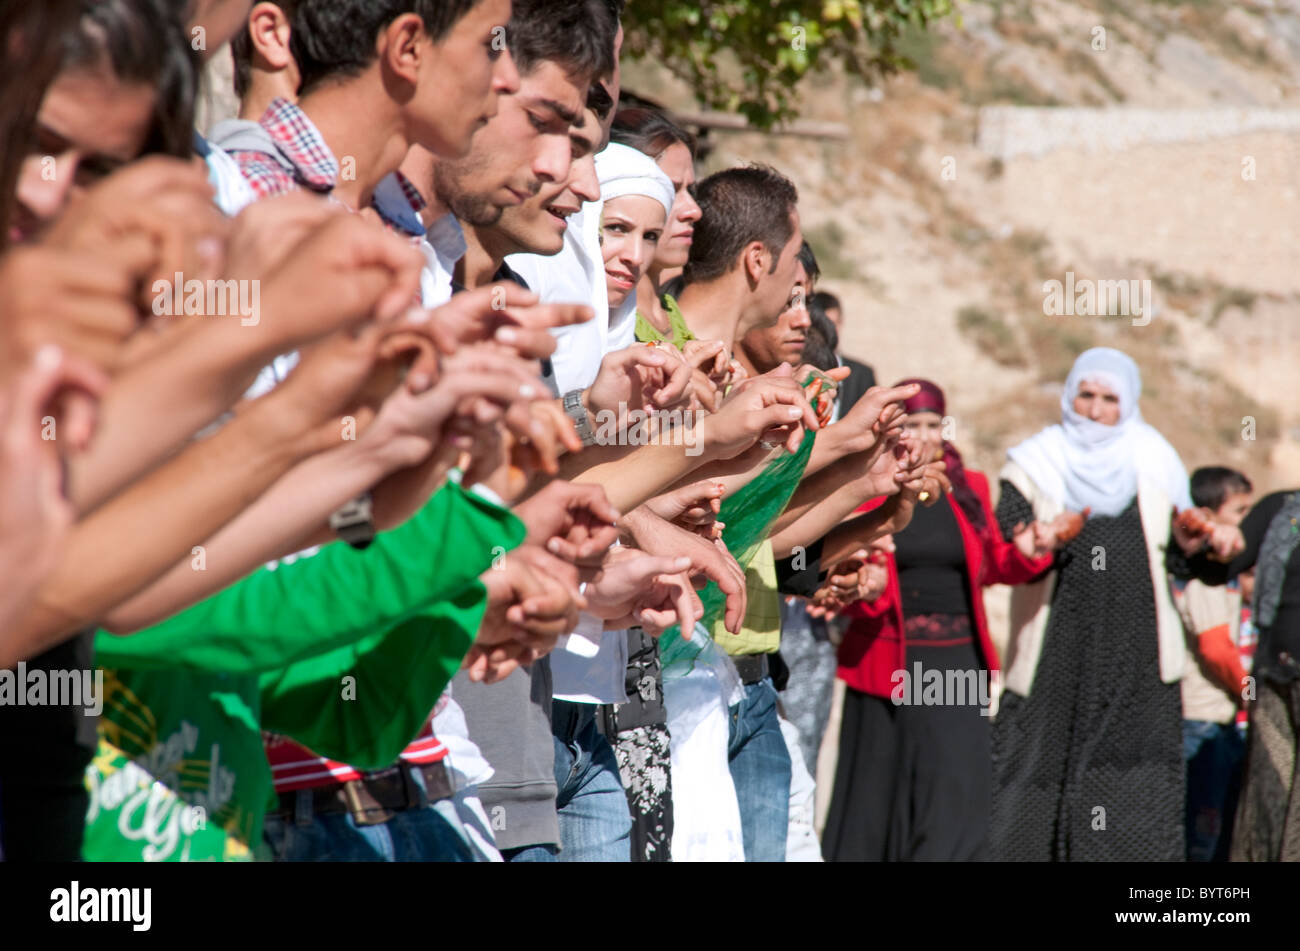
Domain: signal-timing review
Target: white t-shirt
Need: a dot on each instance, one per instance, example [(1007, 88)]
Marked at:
[(577, 276), (443, 246), (233, 193), (590, 665)]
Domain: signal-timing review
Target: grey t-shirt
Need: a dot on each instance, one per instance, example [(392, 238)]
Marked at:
[(511, 723)]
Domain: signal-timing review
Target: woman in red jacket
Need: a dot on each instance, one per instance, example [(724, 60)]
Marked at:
[(914, 776)]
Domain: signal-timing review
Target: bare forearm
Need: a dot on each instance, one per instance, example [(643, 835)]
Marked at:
[(289, 517), (826, 497), (829, 449), (630, 478), (859, 532), (732, 474), (139, 535), (154, 407)]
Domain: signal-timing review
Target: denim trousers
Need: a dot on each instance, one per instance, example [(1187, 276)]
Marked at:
[(1215, 754), (760, 769), (530, 853), (595, 824), (810, 657), (430, 832)]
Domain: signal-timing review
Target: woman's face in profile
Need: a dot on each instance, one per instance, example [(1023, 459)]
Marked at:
[(1098, 403)]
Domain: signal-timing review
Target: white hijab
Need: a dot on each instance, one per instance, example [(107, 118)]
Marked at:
[(1086, 464), (623, 170)]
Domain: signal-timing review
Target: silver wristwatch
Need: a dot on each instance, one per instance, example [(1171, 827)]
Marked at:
[(354, 522), (578, 413)]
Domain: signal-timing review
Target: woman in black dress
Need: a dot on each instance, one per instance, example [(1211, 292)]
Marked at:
[(1087, 748), (912, 780)]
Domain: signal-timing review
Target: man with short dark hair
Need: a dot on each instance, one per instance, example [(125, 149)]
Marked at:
[(765, 348), (743, 268), (751, 210), (359, 103), (511, 201), (375, 79), (577, 272), (262, 56), (341, 39), (742, 271)]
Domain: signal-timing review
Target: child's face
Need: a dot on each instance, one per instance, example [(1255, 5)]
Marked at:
[(1233, 509), (1247, 580)]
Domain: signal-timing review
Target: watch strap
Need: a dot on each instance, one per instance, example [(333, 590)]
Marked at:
[(574, 409), (354, 521)]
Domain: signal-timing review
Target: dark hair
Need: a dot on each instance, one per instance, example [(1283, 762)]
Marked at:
[(336, 38), (142, 41), (739, 206), (648, 131), (577, 34), (817, 314), (30, 38), (809, 261), (241, 48), (825, 301), (1212, 485), (821, 342), (600, 101)]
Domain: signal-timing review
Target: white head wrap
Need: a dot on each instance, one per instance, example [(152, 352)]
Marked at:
[(623, 170), (1086, 464)]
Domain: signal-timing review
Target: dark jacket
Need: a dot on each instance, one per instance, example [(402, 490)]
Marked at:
[(1277, 657), (861, 378)]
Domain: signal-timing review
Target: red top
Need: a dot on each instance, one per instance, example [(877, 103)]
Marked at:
[(293, 766), (874, 647)]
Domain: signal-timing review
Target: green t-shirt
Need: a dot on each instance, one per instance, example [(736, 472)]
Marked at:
[(180, 772)]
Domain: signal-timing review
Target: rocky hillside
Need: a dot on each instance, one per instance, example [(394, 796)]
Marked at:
[(1146, 141)]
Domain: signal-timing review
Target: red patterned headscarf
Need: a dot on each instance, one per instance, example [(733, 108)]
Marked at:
[(931, 400)]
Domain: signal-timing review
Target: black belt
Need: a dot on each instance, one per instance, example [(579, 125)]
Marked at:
[(751, 667), (643, 682), (375, 797)]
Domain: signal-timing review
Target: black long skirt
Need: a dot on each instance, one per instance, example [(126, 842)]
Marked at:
[(913, 780), (1089, 766)]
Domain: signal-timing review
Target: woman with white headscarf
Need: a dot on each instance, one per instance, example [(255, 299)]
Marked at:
[(1087, 743), (637, 198)]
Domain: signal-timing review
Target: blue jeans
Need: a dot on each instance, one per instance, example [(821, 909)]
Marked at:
[(429, 833), (530, 853), (595, 824), (1214, 753), (760, 769)]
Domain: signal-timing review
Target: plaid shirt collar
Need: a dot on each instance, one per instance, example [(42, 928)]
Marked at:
[(300, 145)]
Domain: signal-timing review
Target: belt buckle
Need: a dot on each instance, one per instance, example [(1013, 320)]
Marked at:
[(437, 782), (750, 668), (362, 814)]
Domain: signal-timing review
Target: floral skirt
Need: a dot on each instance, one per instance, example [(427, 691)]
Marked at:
[(643, 765)]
